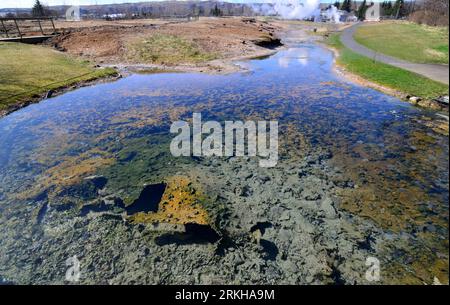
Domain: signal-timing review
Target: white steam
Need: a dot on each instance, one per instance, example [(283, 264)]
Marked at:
[(296, 9), (333, 14), (290, 9)]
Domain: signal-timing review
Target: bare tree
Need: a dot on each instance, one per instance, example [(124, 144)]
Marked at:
[(432, 12)]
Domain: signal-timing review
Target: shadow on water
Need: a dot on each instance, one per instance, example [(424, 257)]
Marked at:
[(101, 207), (262, 57), (270, 44), (99, 182), (270, 250), (148, 200), (261, 226), (194, 234), (42, 211)]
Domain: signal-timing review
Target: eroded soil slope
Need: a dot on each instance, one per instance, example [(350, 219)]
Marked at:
[(218, 38)]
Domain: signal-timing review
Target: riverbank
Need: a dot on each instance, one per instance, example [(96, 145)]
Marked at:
[(207, 45), (90, 52), (391, 80), (30, 73)]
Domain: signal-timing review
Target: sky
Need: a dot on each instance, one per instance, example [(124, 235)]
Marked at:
[(29, 3)]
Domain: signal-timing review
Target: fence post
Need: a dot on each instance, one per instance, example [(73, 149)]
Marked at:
[(40, 26), (18, 30), (53, 25), (4, 28)]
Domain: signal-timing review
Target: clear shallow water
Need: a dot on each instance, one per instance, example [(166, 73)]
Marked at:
[(297, 80), (384, 146)]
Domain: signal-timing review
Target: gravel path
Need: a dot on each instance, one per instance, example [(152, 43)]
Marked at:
[(435, 72)]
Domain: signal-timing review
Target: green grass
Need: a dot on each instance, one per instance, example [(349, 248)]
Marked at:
[(30, 70), (408, 41), (386, 75), (166, 49)]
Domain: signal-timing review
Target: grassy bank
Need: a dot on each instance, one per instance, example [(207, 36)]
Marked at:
[(408, 41), (166, 49), (27, 71), (385, 75)]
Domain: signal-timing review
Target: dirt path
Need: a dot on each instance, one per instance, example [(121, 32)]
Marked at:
[(435, 72)]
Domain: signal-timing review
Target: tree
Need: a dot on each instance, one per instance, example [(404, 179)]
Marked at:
[(337, 4), (431, 12), (216, 11), (361, 14), (398, 9), (194, 9), (346, 5), (387, 8), (38, 9)]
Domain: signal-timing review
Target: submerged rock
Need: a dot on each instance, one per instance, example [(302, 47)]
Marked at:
[(327, 207), (107, 204), (176, 201), (86, 189)]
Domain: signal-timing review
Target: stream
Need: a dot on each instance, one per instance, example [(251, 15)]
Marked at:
[(360, 174)]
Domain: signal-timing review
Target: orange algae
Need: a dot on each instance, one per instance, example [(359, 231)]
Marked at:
[(180, 204)]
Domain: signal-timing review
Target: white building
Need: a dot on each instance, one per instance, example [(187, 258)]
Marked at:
[(373, 12)]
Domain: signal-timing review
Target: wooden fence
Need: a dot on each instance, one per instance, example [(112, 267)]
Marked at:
[(20, 27)]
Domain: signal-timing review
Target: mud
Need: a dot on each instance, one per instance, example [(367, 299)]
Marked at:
[(229, 38)]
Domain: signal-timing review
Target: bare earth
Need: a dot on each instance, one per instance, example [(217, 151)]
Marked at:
[(105, 42)]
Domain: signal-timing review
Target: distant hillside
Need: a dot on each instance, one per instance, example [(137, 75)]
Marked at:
[(151, 9)]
